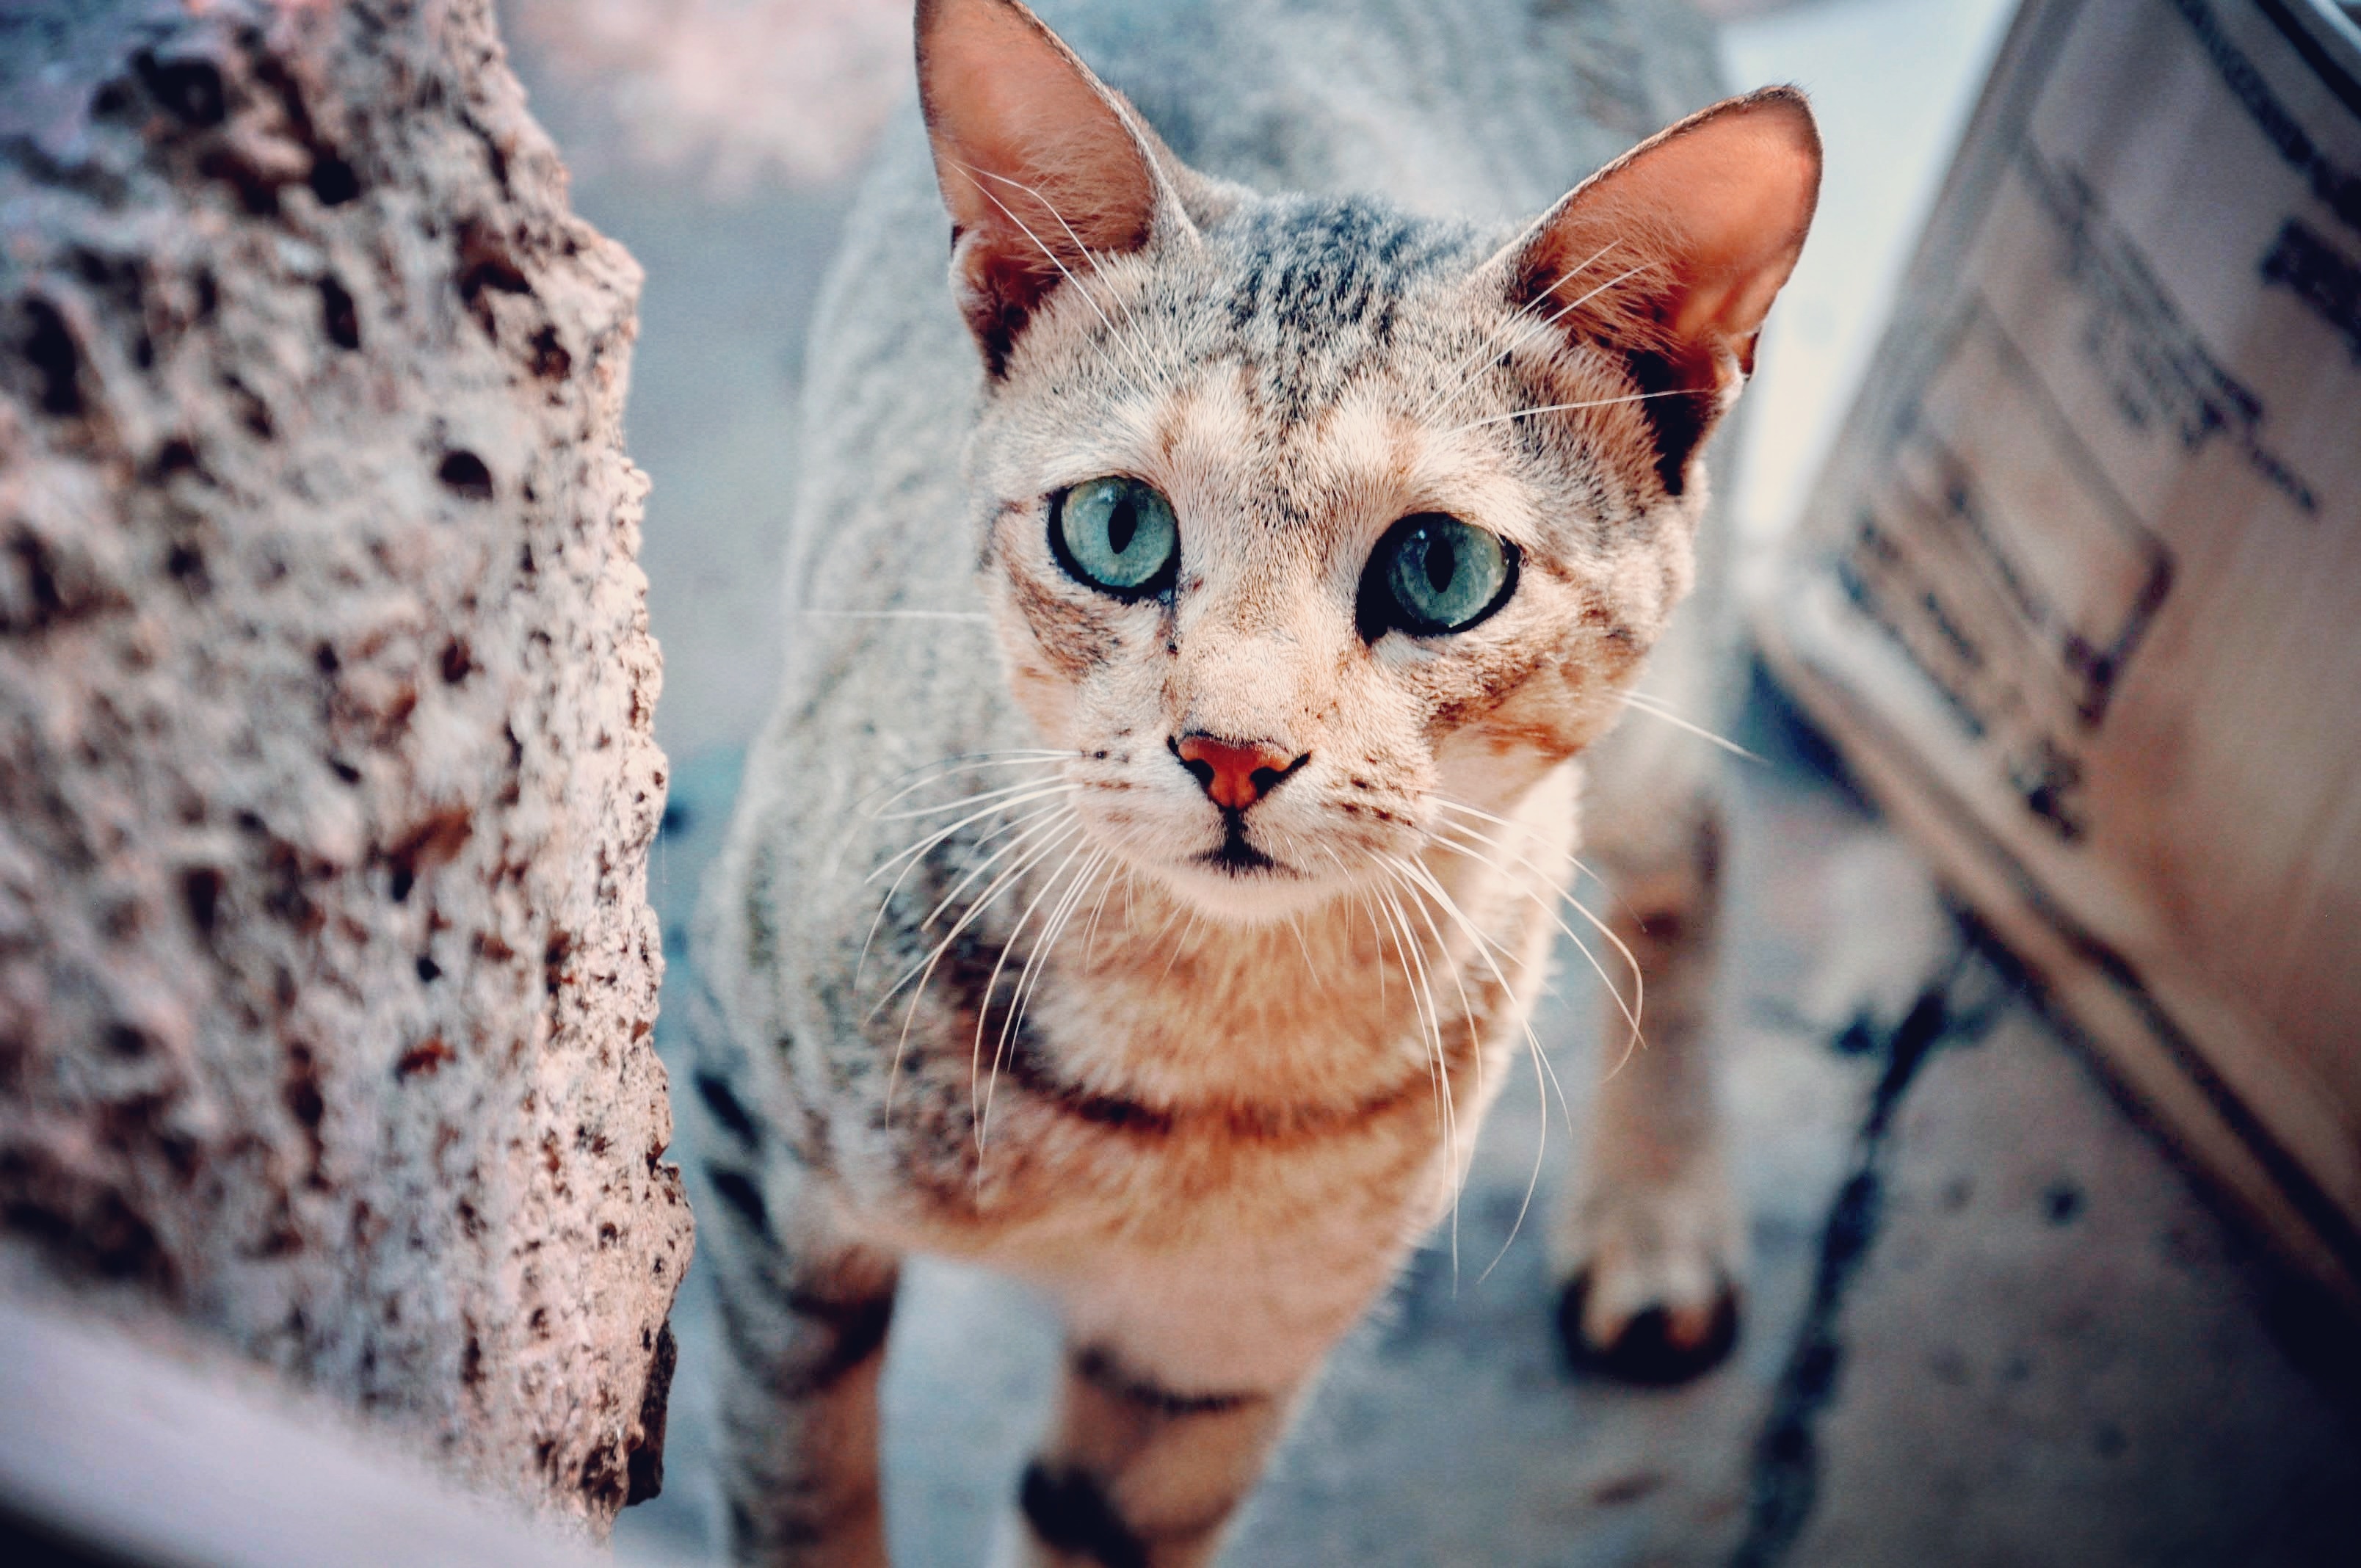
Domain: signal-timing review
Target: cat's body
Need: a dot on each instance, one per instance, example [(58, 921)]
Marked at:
[(1198, 1015)]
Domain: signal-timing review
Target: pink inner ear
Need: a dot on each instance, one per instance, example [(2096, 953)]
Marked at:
[(1025, 137), (1734, 198), (1714, 211)]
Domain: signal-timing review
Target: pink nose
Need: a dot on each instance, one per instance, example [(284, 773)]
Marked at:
[(1235, 775)]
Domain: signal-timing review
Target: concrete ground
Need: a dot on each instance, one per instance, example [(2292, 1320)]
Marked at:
[(1991, 1318)]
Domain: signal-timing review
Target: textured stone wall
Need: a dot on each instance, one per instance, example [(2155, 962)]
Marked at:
[(327, 783)]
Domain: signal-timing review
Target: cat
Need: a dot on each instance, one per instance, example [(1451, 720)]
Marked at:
[(1207, 606)]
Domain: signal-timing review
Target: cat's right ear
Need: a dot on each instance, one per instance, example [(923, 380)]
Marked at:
[(1670, 257), (1039, 163)]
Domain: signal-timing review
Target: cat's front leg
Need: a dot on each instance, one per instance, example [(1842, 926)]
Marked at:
[(1143, 1470), (804, 1315), (1650, 1245), (1182, 1366)]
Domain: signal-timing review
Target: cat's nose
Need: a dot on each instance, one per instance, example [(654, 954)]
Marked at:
[(1236, 774)]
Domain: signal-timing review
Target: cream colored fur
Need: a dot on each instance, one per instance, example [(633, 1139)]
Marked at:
[(991, 976)]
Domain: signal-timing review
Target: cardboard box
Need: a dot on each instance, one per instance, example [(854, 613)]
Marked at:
[(2079, 593)]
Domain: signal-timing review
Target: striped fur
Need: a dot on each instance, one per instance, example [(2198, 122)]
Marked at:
[(987, 974)]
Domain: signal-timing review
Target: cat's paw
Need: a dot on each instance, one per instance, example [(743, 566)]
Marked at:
[(1651, 1283)]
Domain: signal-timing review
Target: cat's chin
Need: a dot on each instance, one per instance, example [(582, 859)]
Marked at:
[(1246, 896)]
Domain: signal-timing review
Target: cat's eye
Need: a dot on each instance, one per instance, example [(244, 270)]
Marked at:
[(1116, 534), (1432, 575)]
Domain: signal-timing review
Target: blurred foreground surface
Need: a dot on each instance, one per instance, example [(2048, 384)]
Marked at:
[(1989, 1320)]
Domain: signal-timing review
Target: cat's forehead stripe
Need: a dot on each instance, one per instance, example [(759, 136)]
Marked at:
[(1309, 290)]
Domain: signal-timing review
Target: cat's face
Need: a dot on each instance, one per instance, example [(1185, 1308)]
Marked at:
[(1337, 547), (1307, 524)]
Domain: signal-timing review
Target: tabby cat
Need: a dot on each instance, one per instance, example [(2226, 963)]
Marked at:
[(1207, 609)]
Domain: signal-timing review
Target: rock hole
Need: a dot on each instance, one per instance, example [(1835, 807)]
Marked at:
[(252, 412), (302, 1094), (189, 89), (333, 182), (201, 891), (424, 1060), (553, 961), (485, 267), (551, 362), (432, 842), (39, 572), (49, 348), (464, 474), (186, 564), (338, 318), (175, 456), (258, 188)]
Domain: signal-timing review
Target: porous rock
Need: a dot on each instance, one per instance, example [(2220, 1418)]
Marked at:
[(327, 781)]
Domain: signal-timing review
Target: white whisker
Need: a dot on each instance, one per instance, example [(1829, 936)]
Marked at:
[(966, 763), (1434, 887), (913, 813), (1399, 928), (991, 986), (1139, 366), (1631, 1009), (1654, 709), (1440, 1072), (1032, 792), (1528, 316), (1534, 328), (1188, 934), (1052, 928), (1053, 819), (1310, 968), (1041, 819), (915, 856), (967, 917), (1566, 408), (926, 773), (1090, 934)]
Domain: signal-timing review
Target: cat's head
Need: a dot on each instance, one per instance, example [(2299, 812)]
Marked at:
[(1300, 516)]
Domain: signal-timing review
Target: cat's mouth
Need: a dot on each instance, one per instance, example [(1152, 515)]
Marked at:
[(1238, 883), (1234, 855)]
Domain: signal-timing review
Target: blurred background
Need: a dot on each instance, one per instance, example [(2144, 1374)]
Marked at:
[(1998, 1313)]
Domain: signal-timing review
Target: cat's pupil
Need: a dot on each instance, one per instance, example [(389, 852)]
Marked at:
[(1441, 562), (1433, 574), (1116, 534)]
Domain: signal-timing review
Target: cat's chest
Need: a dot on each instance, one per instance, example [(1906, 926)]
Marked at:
[(1164, 1085)]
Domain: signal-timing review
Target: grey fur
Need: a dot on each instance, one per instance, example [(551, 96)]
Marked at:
[(1474, 117)]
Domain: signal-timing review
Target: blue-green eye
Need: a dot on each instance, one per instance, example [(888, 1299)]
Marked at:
[(1432, 575), (1117, 535)]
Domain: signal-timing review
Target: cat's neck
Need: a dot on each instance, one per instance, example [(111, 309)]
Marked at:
[(1335, 1007)]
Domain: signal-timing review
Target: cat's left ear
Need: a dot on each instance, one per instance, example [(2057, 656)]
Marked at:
[(1040, 163), (1672, 254)]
